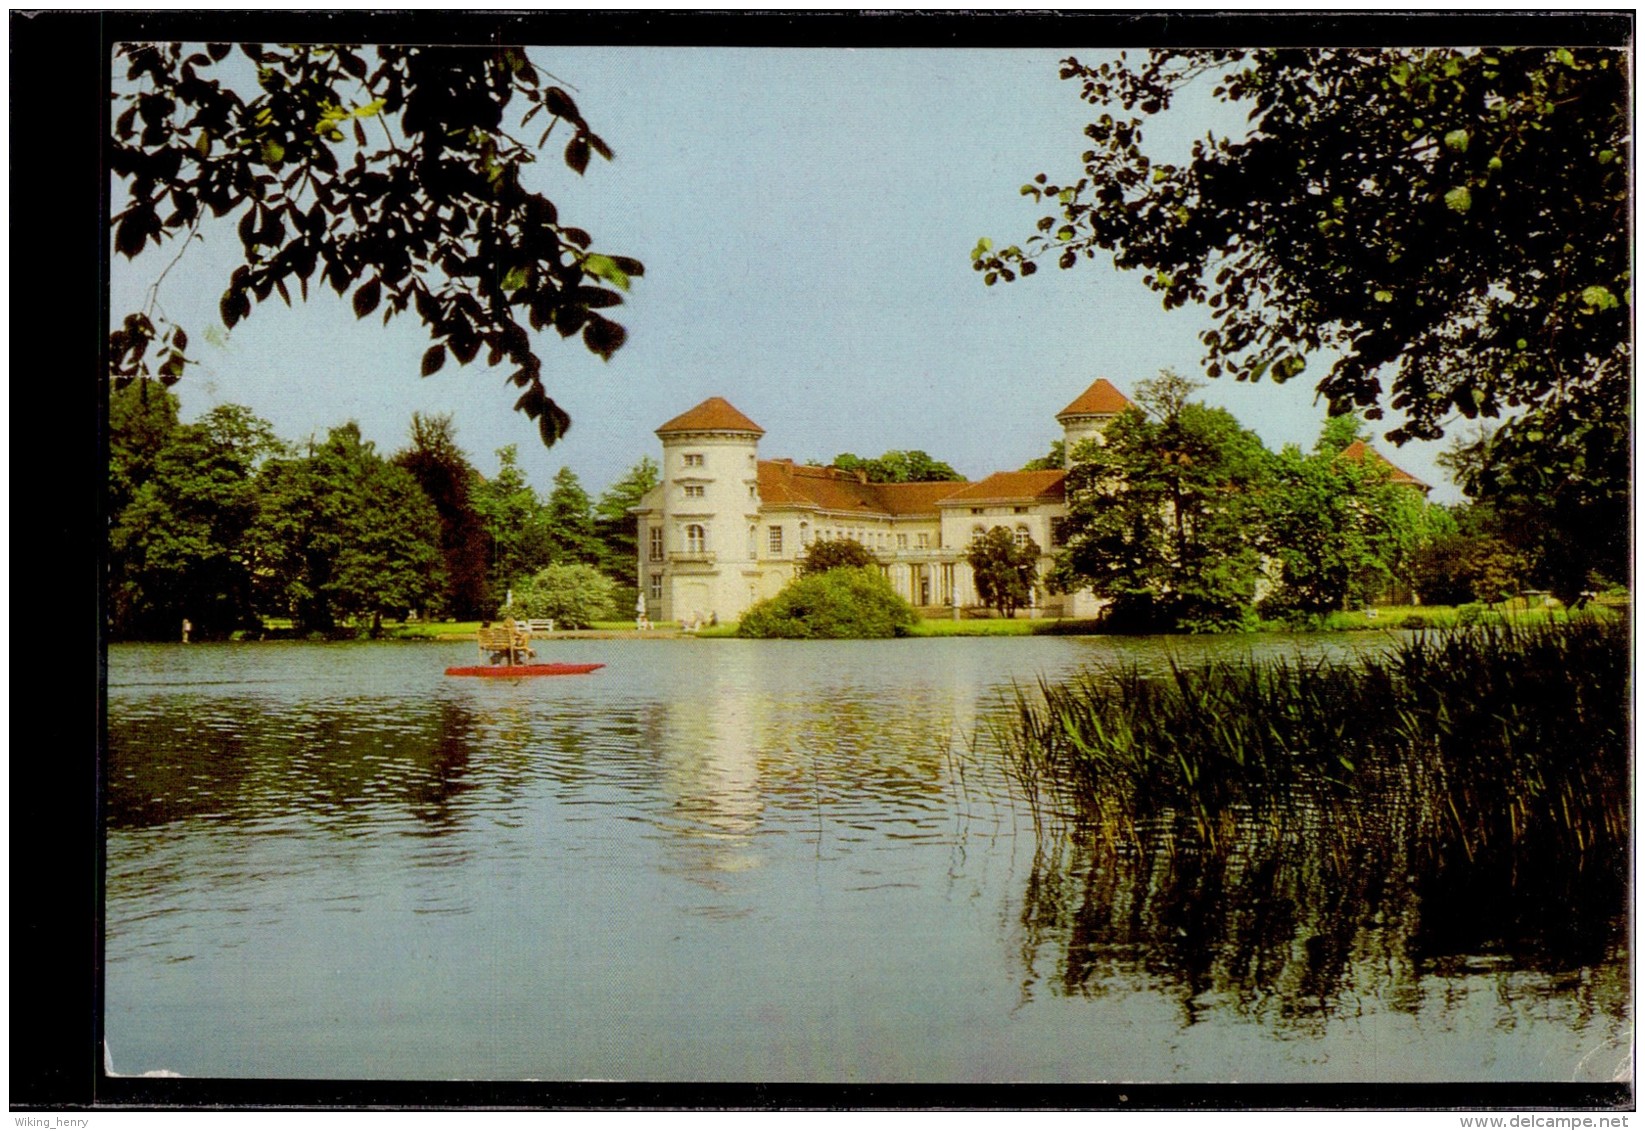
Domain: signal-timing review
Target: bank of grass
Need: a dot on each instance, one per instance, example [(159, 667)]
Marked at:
[(1509, 738)]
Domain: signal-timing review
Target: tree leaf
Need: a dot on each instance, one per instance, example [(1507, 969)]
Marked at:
[(576, 153), (603, 336), (433, 360), (130, 235), (366, 296), (559, 103), (604, 267), (1459, 199), (553, 424)]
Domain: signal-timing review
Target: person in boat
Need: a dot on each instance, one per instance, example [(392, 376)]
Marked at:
[(519, 648)]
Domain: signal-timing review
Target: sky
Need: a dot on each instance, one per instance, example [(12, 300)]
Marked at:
[(805, 218)]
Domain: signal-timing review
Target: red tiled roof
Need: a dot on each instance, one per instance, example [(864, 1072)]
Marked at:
[(1359, 449), (1101, 399), (785, 483), (1016, 486), (713, 415)]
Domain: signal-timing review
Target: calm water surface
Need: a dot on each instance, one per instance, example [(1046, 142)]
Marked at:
[(731, 860)]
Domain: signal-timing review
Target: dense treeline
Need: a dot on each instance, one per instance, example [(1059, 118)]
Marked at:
[(1183, 520), (224, 525)]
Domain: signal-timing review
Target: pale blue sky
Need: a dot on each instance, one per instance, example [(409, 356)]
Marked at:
[(805, 218)]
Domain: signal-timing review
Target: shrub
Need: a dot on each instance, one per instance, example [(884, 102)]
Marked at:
[(836, 553), (1415, 620), (571, 594), (836, 605), (1471, 614)]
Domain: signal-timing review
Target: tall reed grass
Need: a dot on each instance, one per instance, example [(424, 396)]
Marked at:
[(1511, 738)]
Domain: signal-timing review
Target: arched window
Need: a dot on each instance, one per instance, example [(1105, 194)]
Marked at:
[(1022, 537), (696, 539)]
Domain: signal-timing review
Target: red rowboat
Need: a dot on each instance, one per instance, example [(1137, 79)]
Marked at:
[(509, 671)]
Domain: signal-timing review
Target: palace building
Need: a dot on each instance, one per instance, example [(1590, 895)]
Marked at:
[(725, 528)]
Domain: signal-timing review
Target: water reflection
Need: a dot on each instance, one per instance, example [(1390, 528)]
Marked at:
[(741, 860), (345, 764), (1291, 924)]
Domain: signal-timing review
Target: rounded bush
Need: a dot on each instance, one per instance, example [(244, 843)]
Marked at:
[(841, 604)]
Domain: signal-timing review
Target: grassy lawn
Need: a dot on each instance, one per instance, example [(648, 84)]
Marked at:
[(1516, 612), (978, 627)]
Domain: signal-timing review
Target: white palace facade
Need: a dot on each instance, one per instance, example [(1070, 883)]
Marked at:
[(725, 528)]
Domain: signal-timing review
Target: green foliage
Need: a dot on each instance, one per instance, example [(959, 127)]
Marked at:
[(1339, 432), (1451, 220), (568, 520), (616, 528), (1160, 516), (1004, 573), (573, 594), (341, 534), (516, 531), (899, 467), (392, 173), (842, 603), (187, 496), (444, 473), (1474, 561), (1499, 739), (1319, 526), (838, 553), (1558, 484)]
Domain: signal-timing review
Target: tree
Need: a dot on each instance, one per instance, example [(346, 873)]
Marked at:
[(617, 529), (572, 594), (341, 534), (1450, 224), (1338, 530), (839, 604), (442, 470), (1003, 571), (899, 467), (516, 533), (1160, 516), (838, 553), (568, 520), (395, 174), (177, 543), (1566, 513), (142, 418), (1318, 525)]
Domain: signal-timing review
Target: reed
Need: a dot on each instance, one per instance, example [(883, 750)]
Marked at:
[(1506, 738)]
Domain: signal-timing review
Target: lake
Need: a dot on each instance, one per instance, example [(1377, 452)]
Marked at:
[(749, 861)]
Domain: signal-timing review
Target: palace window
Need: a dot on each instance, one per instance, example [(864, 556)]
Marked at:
[(1059, 530), (1019, 510), (656, 543), (774, 541), (978, 534), (923, 541), (693, 490), (805, 534), (656, 587), (1021, 537), (696, 539), (902, 541), (693, 459)]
